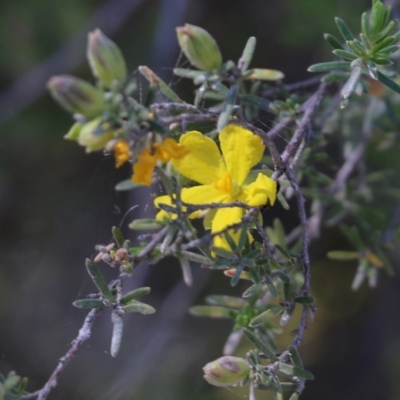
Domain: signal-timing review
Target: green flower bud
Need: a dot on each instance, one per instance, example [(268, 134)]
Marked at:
[(74, 131), (76, 95), (105, 59), (199, 47), (226, 371), (94, 135)]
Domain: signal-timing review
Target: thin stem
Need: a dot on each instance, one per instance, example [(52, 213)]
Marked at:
[(84, 334)]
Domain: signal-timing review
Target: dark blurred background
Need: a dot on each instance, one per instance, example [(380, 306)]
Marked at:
[(57, 203)]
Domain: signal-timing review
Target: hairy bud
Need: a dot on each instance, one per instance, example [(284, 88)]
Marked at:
[(105, 59), (226, 371), (199, 47), (94, 135), (76, 95)]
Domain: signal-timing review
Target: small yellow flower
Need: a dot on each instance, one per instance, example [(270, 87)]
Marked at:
[(224, 178), (122, 152), (147, 160)]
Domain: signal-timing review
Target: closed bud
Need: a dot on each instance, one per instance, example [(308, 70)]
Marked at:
[(226, 371), (105, 59), (94, 135), (76, 95), (199, 47)]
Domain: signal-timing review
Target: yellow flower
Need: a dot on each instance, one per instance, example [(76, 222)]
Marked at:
[(147, 160), (122, 152), (224, 178)]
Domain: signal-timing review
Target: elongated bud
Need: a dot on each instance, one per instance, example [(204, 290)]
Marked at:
[(94, 135), (199, 47), (105, 59), (226, 371), (76, 95)]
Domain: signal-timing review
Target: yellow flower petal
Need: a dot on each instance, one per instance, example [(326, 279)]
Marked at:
[(260, 192), (241, 150), (122, 153), (203, 163), (204, 194), (144, 167), (223, 218)]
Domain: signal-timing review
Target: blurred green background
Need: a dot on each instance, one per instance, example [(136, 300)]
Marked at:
[(57, 203)]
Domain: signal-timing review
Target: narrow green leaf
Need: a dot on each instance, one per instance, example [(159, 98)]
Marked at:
[(155, 80), (342, 255), (344, 30), (386, 32), (366, 41), (352, 233), (118, 236), (388, 82), (193, 257), (210, 311), (329, 66), (335, 43), (188, 73), (186, 271), (345, 54), (166, 181), (388, 51), (255, 100), (88, 303), (290, 370), (235, 303), (229, 105), (22, 385), (382, 61), (252, 290), (295, 357), (237, 275), (146, 224), (386, 16), (357, 47), (262, 318), (243, 238), (127, 185), (382, 44), (260, 344), (116, 333), (377, 18), (365, 24), (247, 55), (98, 280), (264, 74), (135, 294), (138, 306), (272, 289)]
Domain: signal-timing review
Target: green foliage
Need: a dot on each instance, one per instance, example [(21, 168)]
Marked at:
[(378, 41)]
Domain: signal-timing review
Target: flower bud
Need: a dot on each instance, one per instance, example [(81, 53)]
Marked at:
[(76, 95), (226, 371), (199, 47), (95, 135), (105, 59)]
